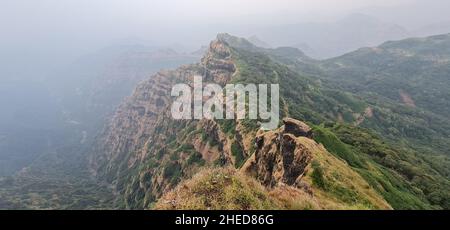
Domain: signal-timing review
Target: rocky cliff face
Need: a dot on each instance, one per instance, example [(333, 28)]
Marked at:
[(144, 153), (279, 156)]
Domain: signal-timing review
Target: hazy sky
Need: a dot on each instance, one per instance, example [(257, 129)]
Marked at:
[(73, 27), (24, 17), (106, 20)]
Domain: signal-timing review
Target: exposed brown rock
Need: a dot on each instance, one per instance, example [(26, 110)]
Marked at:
[(279, 157), (142, 128), (296, 158), (297, 128)]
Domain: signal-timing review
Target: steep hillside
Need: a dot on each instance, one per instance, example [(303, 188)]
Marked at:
[(365, 79), (291, 171), (144, 153), (413, 72)]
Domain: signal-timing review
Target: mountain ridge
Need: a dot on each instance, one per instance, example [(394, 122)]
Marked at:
[(155, 165)]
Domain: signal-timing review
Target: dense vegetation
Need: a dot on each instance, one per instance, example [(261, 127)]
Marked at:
[(402, 152)]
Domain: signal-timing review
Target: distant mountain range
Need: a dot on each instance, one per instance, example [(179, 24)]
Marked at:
[(327, 40)]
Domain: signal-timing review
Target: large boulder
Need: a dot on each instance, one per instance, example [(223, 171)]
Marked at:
[(297, 128), (280, 158)]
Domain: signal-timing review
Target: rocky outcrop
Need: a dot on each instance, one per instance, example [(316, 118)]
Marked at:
[(289, 164), (144, 151), (297, 128), (218, 63), (279, 156)]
